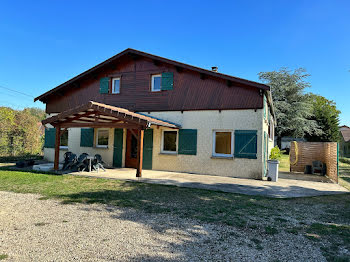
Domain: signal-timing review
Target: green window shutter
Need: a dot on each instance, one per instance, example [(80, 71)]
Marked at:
[(187, 142), (265, 153), (265, 107), (50, 137), (167, 81), (104, 85), (118, 148), (246, 144), (87, 137), (147, 149)]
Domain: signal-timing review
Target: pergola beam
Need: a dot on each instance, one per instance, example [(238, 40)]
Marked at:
[(57, 147), (139, 152), (100, 125)]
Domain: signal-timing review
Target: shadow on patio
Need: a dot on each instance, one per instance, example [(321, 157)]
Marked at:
[(289, 185)]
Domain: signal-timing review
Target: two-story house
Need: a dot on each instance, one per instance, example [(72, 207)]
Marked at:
[(144, 111)]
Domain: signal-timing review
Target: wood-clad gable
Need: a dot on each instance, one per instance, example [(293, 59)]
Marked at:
[(191, 91)]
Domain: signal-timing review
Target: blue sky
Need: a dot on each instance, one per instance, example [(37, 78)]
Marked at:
[(45, 43)]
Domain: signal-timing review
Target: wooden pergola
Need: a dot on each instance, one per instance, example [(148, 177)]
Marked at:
[(98, 115)]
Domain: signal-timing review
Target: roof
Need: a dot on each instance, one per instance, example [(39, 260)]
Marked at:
[(95, 114), (134, 53), (345, 132)]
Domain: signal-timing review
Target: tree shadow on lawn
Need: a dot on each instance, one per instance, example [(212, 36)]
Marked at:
[(150, 205), (189, 239)]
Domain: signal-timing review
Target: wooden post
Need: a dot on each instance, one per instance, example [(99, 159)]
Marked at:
[(139, 152), (57, 147)]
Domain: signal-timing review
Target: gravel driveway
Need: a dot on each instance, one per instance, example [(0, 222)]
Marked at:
[(32, 229)]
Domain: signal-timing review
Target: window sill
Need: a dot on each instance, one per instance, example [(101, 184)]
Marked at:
[(222, 157), (168, 153), (101, 147)]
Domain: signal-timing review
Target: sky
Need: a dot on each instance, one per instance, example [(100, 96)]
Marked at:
[(45, 43)]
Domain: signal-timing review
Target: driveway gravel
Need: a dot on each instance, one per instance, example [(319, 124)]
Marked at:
[(34, 229)]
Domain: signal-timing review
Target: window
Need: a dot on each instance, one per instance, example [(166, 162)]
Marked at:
[(223, 143), (156, 83), (116, 85), (64, 139), (169, 142), (102, 138)]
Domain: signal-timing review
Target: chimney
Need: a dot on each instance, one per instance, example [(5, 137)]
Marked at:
[(214, 68)]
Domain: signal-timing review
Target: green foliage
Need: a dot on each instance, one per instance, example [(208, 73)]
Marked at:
[(293, 109), (345, 160), (275, 153), (326, 114), (20, 132)]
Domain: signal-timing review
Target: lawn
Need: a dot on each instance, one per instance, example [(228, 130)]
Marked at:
[(324, 220), (284, 165), (344, 172)]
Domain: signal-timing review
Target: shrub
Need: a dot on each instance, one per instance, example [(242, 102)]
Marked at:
[(345, 160), (275, 153)]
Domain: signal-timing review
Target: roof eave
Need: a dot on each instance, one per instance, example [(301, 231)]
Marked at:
[(165, 60)]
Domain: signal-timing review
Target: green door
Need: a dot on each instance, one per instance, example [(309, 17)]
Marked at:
[(118, 148), (147, 149)]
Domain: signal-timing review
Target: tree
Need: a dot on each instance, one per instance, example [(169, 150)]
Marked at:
[(36, 112), (326, 114), (19, 131), (293, 109)]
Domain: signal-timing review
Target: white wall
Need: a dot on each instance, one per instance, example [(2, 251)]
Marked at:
[(74, 146), (205, 122), (202, 163)]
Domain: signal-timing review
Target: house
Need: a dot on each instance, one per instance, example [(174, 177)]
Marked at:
[(344, 145), (144, 111)]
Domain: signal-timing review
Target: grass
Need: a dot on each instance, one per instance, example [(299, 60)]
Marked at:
[(3, 256), (344, 172), (330, 215), (284, 165)]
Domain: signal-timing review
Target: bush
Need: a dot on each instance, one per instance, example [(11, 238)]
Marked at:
[(345, 160), (275, 153)]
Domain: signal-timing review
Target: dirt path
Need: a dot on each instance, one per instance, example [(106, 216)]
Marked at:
[(46, 230)]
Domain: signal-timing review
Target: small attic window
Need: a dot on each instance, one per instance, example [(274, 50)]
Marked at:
[(156, 83)]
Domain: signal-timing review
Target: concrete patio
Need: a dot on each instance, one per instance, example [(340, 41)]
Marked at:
[(289, 185)]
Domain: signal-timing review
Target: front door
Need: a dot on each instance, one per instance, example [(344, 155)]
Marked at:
[(131, 149)]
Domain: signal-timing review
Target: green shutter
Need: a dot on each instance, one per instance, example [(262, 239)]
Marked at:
[(147, 149), (265, 106), (246, 144), (167, 81), (87, 137), (118, 148), (265, 153), (187, 142), (104, 85), (50, 137)]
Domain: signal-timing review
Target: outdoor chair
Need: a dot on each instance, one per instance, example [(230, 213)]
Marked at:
[(83, 162), (70, 161), (317, 167), (66, 159), (97, 163)]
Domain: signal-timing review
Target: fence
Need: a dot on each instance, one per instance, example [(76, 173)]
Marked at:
[(303, 153)]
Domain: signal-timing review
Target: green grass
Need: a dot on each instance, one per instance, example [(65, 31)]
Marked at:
[(284, 163), (265, 216), (3, 256), (344, 173)]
